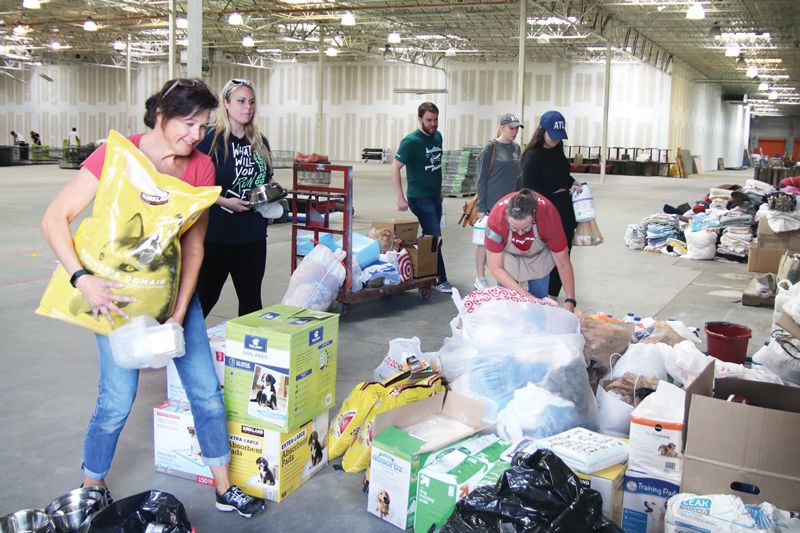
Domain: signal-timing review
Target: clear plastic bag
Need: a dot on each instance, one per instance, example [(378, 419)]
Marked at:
[(405, 355), (317, 280), (144, 343)]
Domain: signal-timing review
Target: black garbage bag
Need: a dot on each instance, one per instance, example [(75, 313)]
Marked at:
[(159, 510), (538, 494)]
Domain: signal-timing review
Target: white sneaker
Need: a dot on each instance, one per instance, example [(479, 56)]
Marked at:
[(481, 283), (444, 287)]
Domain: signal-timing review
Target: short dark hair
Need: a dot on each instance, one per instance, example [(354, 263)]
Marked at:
[(522, 205), (179, 98), (425, 107)]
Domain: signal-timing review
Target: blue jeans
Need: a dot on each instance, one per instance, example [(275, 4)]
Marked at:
[(539, 287), (428, 211), (117, 390)]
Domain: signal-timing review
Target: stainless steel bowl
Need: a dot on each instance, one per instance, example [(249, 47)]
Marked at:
[(27, 521), (267, 193), (69, 511)]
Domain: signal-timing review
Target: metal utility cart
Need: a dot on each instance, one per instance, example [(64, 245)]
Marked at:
[(311, 184)]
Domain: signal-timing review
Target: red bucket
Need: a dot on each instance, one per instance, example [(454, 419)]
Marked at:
[(727, 341)]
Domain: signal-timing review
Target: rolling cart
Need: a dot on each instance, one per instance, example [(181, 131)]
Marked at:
[(311, 184)]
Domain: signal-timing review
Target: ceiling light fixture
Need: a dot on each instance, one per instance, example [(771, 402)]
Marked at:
[(31, 4), (773, 95), (763, 86), (732, 51), (661, 8), (348, 19), (235, 19), (752, 71), (696, 12), (89, 25), (543, 39), (119, 44), (394, 38), (19, 29), (331, 52), (450, 52), (55, 45), (182, 23), (247, 41)]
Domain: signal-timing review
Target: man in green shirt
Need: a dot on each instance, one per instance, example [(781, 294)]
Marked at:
[(420, 152)]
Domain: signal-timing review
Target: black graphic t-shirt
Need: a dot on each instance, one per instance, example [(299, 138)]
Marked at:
[(241, 171)]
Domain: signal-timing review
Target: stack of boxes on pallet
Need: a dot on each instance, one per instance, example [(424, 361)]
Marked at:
[(460, 171), (278, 366)]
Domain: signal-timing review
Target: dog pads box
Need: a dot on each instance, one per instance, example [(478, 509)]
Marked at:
[(280, 366), (746, 449), (609, 483), (175, 445), (424, 255), (216, 338), (645, 502), (398, 455), (656, 437), (405, 230), (272, 464), (474, 462)]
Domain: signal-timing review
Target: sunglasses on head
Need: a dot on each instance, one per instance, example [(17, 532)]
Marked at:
[(179, 82), (240, 81)]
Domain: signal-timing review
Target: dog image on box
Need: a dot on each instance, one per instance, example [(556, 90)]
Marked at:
[(382, 503), (194, 445), (315, 448), (656, 513), (265, 474), (668, 450), (267, 392), (317, 443)]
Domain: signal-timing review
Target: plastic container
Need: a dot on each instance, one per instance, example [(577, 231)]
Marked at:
[(727, 341), (479, 230), (629, 317), (365, 250), (583, 204), (144, 343)]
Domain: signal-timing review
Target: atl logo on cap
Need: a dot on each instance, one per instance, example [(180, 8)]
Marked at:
[(558, 125)]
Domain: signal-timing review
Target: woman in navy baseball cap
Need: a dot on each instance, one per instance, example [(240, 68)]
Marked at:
[(545, 169)]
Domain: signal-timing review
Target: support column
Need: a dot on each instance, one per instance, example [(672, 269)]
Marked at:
[(320, 86), (171, 46), (606, 93), (523, 34), (194, 61), (128, 88)]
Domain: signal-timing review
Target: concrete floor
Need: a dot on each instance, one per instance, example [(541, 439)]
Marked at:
[(48, 370)]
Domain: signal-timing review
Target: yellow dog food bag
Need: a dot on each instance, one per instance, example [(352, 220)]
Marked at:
[(132, 236), (355, 409), (356, 458)]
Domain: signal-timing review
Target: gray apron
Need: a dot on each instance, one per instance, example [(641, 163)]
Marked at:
[(525, 265)]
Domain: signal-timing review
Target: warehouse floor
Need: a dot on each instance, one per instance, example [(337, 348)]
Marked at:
[(48, 370)]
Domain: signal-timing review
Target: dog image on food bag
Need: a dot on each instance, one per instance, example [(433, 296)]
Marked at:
[(264, 472), (383, 502)]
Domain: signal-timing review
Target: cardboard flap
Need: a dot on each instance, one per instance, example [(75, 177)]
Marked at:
[(409, 414), (465, 409), (430, 242), (702, 385), (759, 394), (791, 327)]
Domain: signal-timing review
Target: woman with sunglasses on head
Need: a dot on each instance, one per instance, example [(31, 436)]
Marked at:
[(524, 242), (236, 241), (177, 116), (545, 169), (498, 175)]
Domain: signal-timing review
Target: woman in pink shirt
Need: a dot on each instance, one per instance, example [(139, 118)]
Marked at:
[(177, 116)]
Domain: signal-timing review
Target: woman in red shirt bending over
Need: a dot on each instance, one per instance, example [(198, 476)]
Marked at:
[(524, 240)]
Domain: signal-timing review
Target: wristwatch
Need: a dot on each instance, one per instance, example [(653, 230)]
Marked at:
[(78, 273), (571, 301)]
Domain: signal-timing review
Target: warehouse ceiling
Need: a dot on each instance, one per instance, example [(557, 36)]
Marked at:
[(746, 46)]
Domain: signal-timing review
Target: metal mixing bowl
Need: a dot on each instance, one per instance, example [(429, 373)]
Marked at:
[(267, 193), (27, 521), (69, 511)]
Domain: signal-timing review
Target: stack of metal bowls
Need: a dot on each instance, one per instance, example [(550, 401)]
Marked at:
[(69, 511), (27, 521), (267, 193)]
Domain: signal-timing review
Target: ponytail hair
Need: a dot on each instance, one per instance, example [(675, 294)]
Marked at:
[(522, 205)]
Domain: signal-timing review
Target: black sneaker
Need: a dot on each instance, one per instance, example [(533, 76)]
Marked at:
[(235, 499)]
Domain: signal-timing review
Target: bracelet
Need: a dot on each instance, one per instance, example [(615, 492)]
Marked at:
[(78, 273), (571, 301)]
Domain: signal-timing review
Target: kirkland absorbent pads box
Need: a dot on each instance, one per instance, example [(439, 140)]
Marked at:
[(280, 366)]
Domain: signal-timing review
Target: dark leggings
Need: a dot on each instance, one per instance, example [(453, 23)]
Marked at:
[(563, 202), (244, 262)]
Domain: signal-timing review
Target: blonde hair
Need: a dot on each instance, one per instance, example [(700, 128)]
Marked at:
[(222, 124)]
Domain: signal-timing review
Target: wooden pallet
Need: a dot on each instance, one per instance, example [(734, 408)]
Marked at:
[(680, 164)]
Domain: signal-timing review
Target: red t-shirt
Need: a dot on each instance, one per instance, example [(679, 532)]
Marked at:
[(199, 171), (548, 224)]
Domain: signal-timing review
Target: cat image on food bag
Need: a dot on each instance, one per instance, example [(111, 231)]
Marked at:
[(140, 259)]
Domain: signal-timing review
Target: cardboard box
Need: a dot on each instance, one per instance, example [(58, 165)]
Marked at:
[(769, 239), (271, 464), (175, 446), (397, 456), (733, 447), (476, 462), (645, 502), (424, 255), (216, 338), (609, 483), (280, 366), (788, 324), (752, 298), (405, 230), (763, 258)]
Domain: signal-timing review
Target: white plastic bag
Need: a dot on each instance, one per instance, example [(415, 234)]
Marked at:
[(613, 413), (701, 245), (317, 280), (535, 412), (782, 357), (405, 355), (790, 302), (643, 360), (479, 230)]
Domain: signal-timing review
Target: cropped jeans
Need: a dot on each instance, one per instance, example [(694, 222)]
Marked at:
[(428, 211), (117, 390)]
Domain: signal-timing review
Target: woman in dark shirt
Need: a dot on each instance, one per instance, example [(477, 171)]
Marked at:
[(545, 169)]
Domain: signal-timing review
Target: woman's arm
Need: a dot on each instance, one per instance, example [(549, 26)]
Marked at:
[(192, 250), (567, 274), (65, 207), (495, 262)]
